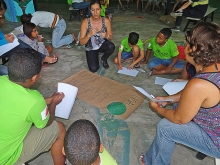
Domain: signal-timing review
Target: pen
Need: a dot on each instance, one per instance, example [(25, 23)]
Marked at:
[(157, 102)]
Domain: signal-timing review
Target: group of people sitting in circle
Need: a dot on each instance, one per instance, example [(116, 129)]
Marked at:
[(28, 126)]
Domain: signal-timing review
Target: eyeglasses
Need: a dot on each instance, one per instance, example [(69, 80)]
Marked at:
[(34, 31)]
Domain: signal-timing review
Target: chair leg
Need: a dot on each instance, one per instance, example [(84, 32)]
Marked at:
[(4, 60), (70, 16), (186, 25), (200, 156)]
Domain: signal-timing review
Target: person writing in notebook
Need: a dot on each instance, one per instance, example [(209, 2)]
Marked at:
[(27, 124)]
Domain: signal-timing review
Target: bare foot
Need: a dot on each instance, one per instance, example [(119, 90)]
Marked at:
[(144, 62), (74, 37), (127, 59), (141, 160), (50, 59)]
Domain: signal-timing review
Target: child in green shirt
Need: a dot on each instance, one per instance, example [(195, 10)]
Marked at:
[(131, 47), (166, 59)]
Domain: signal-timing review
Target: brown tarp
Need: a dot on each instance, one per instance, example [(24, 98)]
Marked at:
[(101, 91)]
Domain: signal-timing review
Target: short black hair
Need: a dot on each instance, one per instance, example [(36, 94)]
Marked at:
[(167, 32), (24, 63), (205, 38), (82, 143), (133, 38), (28, 28), (92, 2), (25, 18)]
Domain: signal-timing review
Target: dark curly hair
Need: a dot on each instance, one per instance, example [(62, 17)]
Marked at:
[(204, 40)]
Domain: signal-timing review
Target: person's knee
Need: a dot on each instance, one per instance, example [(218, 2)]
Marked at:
[(93, 69), (116, 60), (151, 65), (54, 44), (111, 47), (162, 126)]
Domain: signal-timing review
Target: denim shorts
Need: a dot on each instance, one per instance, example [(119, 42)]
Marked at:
[(126, 55), (157, 61)]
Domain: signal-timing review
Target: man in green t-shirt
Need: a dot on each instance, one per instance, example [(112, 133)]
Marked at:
[(166, 59), (131, 47), (27, 125)]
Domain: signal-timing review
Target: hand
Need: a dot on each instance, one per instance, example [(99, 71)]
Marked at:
[(40, 38), (9, 38), (178, 80), (153, 105), (104, 35), (57, 97), (92, 32), (119, 67), (162, 98), (169, 69), (131, 66)]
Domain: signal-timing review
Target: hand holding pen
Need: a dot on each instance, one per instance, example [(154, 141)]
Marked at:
[(159, 104)]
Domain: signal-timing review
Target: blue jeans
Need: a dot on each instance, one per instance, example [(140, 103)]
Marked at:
[(168, 134), (83, 5), (58, 39), (3, 70), (157, 61), (126, 55)]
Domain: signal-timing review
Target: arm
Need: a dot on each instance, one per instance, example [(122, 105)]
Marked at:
[(119, 60), (189, 105), (185, 5), (174, 61), (148, 52), (108, 34), (42, 49), (131, 66), (7, 38), (56, 99), (84, 38), (175, 5)]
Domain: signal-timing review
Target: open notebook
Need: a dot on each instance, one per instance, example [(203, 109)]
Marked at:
[(6, 47), (64, 108)]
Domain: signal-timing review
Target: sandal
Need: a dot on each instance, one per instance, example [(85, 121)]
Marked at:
[(141, 160), (151, 73), (137, 65), (51, 62)]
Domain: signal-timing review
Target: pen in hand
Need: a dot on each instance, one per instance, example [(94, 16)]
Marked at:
[(161, 105)]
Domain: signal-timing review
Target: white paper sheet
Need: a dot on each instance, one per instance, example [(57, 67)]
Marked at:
[(162, 81), (64, 108), (149, 96), (174, 87), (128, 72), (5, 48)]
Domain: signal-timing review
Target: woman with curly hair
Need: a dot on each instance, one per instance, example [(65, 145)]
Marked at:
[(195, 120)]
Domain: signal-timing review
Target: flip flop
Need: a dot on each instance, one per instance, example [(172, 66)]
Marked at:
[(55, 56), (137, 65), (151, 73), (141, 159)]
